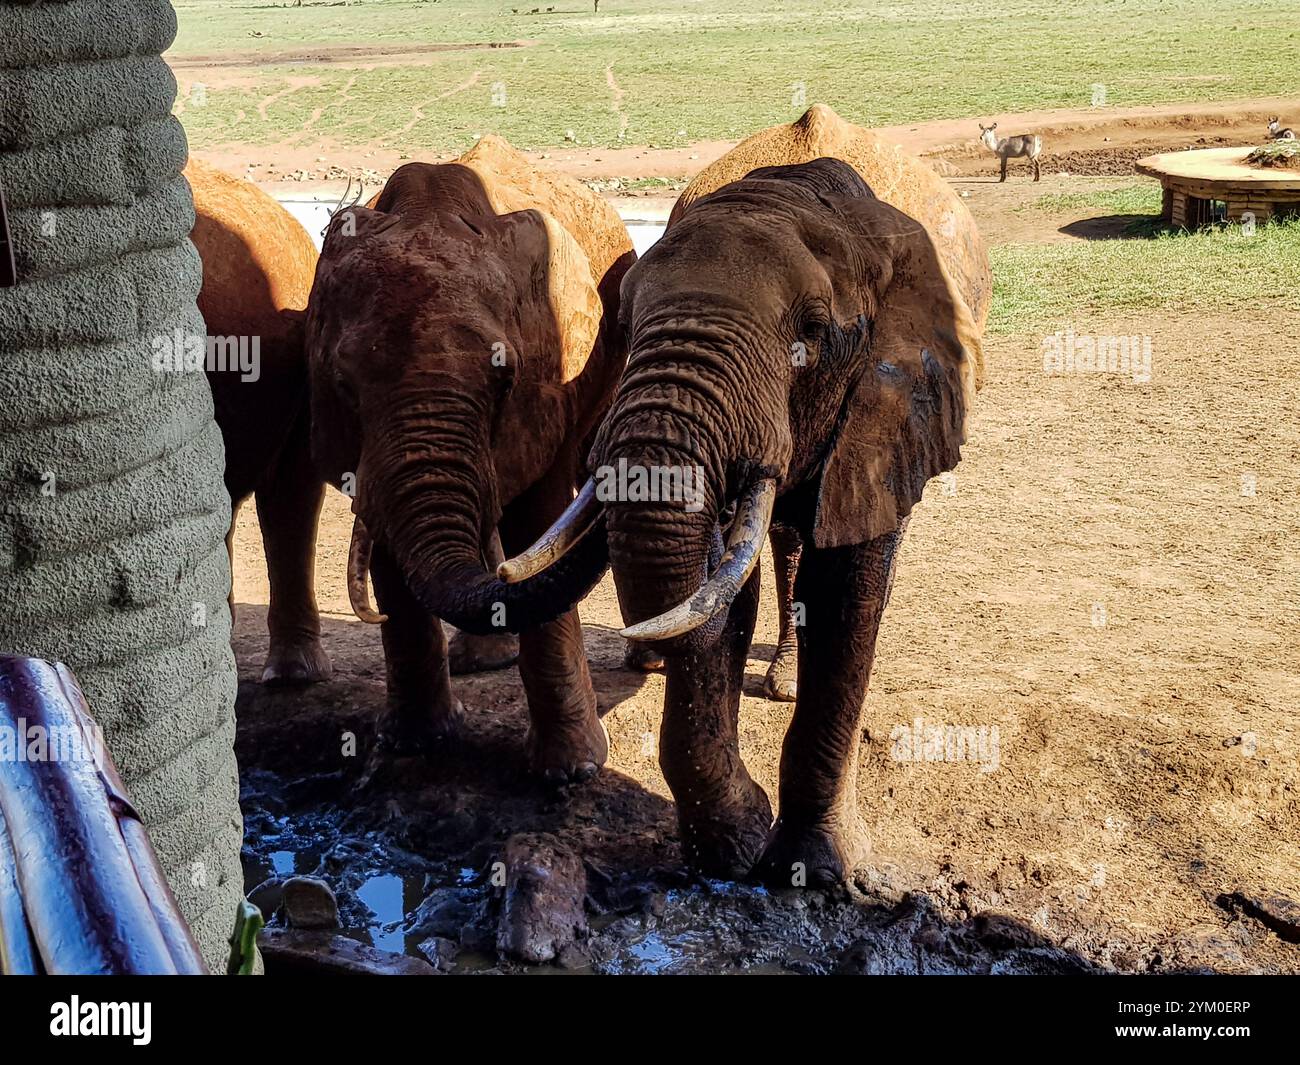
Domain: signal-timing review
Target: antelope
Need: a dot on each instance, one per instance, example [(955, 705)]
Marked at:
[(1026, 145), (1277, 131)]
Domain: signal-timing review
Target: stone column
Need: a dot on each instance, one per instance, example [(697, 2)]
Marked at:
[(113, 514)]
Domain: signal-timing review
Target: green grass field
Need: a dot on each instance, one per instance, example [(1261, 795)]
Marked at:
[(1214, 271), (705, 69), (1130, 199), (693, 69)]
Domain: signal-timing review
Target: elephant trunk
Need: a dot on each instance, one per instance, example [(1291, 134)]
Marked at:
[(430, 494), (660, 557), (663, 474), (665, 477)]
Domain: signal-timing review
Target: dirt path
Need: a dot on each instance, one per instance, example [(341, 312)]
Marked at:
[(359, 55), (1092, 141), (1106, 588)]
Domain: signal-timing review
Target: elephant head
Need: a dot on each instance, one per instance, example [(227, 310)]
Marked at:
[(792, 339), (446, 344)]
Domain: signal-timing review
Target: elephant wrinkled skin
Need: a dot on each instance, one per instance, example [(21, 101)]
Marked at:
[(462, 349), (791, 335)]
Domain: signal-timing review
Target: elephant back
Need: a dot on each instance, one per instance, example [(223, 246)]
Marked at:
[(258, 261), (514, 183), (894, 175)]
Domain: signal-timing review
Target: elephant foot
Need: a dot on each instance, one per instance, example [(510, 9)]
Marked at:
[(782, 681), (820, 855), (401, 738), (569, 753), (404, 732), (302, 662), (724, 840), (481, 654), (642, 658)]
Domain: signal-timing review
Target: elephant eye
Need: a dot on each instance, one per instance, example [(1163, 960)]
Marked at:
[(343, 388), (813, 327)]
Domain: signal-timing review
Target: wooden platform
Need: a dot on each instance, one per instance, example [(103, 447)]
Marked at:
[(1194, 181)]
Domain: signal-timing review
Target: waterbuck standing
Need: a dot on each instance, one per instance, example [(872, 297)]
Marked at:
[(1026, 146)]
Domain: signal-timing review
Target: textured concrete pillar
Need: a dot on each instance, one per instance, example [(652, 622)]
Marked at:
[(112, 510)]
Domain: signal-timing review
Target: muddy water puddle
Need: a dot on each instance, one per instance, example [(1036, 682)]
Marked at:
[(396, 900), (447, 906)]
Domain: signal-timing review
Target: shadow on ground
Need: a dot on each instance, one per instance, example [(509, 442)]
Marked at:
[(1116, 227), (411, 856)]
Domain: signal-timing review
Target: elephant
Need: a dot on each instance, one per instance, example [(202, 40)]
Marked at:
[(812, 353), (462, 346), (258, 264), (901, 183)]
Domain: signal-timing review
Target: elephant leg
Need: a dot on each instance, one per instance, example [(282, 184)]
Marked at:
[(781, 682), (566, 740), (235, 504), (723, 815), (479, 654), (288, 509), (818, 837), (421, 709)]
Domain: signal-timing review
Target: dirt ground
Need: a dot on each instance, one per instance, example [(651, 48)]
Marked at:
[(1102, 140), (1106, 586)]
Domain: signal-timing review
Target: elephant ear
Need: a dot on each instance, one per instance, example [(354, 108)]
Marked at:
[(562, 269), (904, 419)]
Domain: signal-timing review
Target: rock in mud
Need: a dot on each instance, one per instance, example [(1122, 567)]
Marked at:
[(916, 938), (308, 903), (443, 913), (440, 952), (290, 951), (1204, 949), (574, 957), (268, 895), (542, 910), (1275, 912)]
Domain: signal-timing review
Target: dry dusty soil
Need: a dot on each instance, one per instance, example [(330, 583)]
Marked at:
[(1106, 587), (1102, 140)]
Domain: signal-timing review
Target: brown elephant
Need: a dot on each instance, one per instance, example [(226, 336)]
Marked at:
[(812, 352), (258, 264), (897, 179), (462, 348)]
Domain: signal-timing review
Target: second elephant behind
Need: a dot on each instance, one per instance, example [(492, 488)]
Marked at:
[(462, 348)]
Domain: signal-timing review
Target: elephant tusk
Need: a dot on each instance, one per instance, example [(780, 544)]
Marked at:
[(570, 527), (358, 567), (753, 514)]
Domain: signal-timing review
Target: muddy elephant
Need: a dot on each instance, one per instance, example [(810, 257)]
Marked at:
[(811, 353), (462, 350), (900, 182), (258, 264)]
